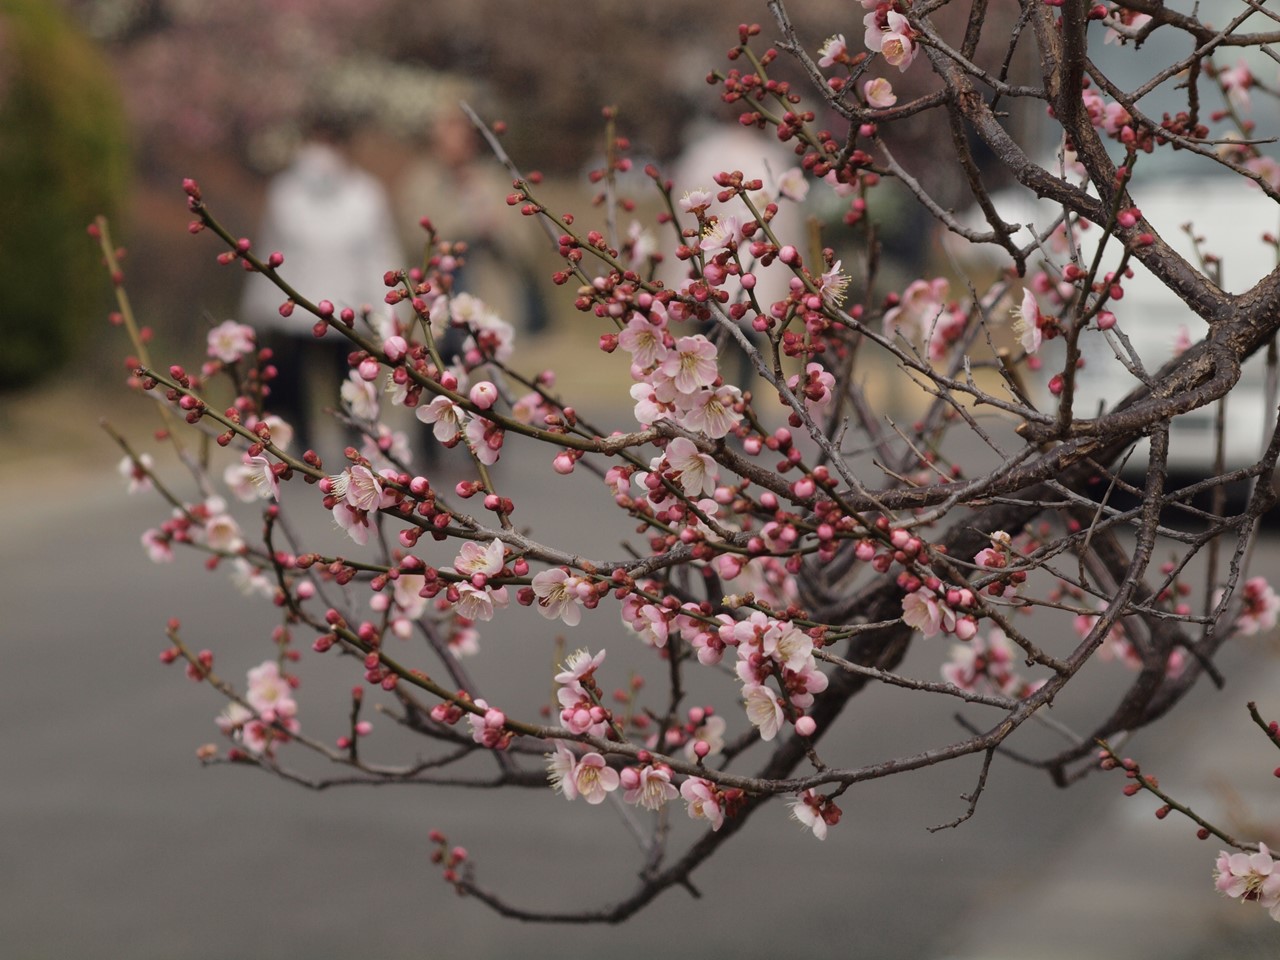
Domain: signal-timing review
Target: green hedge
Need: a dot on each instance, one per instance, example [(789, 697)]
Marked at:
[(63, 159)]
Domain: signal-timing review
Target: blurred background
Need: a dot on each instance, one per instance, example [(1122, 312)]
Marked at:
[(115, 843)]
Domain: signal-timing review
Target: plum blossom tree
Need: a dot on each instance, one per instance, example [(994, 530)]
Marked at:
[(793, 541)]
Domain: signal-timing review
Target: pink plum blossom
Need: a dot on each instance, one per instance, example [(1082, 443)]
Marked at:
[(489, 729), (578, 665), (703, 802), (473, 558), (922, 303), (923, 610), (833, 48), (1249, 876), (696, 472), (485, 439), (1265, 167), (643, 341), (477, 604), (691, 365), (158, 546), (711, 732), (879, 93), (269, 692), (832, 284), (889, 34), (229, 341), (711, 411), (695, 200), (593, 778), (649, 786), (560, 594), (1236, 82), (1260, 607)]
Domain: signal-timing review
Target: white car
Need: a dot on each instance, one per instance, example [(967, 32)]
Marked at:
[(1231, 215)]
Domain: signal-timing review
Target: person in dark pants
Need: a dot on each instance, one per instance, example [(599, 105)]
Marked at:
[(333, 224)]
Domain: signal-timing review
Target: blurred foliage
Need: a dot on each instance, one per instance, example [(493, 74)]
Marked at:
[(203, 75), (63, 159)]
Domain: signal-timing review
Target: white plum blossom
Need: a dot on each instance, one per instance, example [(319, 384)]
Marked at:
[(406, 591), (260, 473), (446, 416), (641, 245), (806, 809), (560, 771), (763, 709), (252, 581), (220, 531), (1026, 322), (360, 397), (793, 185), (721, 235), (137, 472)]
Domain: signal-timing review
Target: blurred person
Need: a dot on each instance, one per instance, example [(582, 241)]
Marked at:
[(462, 190), (333, 223)]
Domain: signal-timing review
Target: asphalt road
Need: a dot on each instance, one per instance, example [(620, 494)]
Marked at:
[(115, 843)]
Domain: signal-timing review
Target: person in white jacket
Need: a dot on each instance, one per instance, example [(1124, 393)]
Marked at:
[(333, 224)]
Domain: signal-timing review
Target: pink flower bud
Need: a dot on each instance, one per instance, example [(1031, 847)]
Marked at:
[(368, 370), (563, 463), (395, 348), (806, 726), (484, 394)]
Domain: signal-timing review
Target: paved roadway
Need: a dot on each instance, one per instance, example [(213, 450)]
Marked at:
[(116, 844)]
